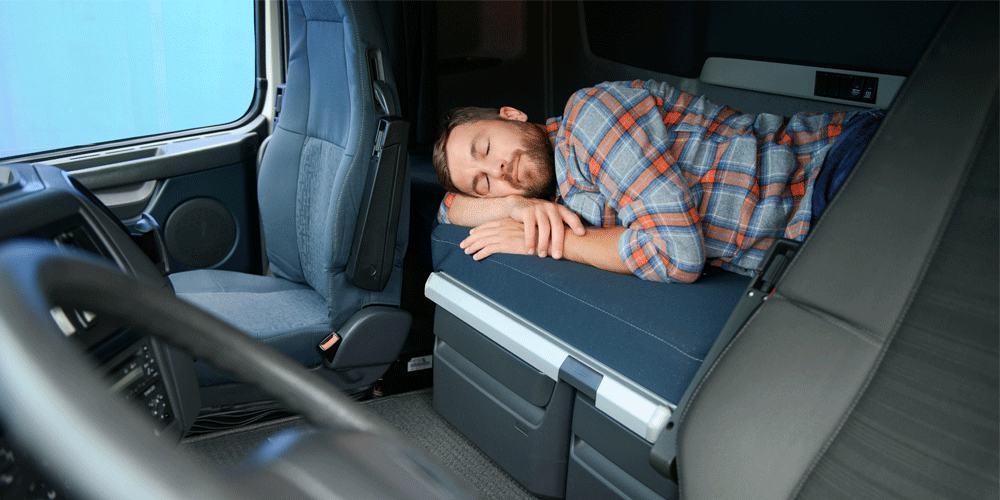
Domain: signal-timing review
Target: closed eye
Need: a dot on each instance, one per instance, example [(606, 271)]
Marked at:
[(477, 186)]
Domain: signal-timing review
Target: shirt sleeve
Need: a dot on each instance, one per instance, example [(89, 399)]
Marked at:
[(621, 149), (442, 216), (662, 242)]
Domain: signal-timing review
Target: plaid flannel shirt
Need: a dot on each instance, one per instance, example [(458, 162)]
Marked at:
[(691, 181)]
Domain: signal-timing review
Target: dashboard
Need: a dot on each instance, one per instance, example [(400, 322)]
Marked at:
[(44, 202)]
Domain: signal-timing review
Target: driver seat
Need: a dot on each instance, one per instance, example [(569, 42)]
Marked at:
[(313, 181)]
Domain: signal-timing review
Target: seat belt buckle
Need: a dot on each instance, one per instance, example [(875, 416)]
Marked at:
[(328, 347), (773, 266)]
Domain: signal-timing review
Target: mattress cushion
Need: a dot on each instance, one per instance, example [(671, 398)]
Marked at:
[(654, 334)]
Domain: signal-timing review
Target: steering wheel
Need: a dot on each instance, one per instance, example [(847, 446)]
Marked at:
[(54, 404)]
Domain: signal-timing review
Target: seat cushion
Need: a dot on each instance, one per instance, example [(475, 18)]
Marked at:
[(291, 317), (655, 334)]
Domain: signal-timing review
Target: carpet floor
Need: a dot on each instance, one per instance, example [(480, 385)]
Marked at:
[(411, 413)]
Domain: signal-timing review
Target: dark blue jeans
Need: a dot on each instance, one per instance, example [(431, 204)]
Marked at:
[(839, 162)]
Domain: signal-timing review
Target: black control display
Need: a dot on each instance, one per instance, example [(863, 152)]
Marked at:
[(135, 375), (845, 86)]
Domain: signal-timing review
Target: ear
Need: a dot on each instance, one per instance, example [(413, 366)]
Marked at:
[(509, 113)]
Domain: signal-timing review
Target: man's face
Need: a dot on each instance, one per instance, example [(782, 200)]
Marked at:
[(495, 158)]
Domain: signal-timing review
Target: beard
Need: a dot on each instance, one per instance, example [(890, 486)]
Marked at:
[(537, 182)]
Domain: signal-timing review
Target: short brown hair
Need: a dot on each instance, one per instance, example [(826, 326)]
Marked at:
[(454, 118)]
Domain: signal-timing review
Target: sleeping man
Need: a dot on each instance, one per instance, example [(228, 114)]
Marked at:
[(665, 182)]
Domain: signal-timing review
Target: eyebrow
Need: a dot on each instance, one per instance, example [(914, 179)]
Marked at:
[(472, 143)]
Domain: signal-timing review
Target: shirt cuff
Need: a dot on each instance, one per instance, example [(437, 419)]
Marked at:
[(646, 260), (442, 216), (631, 253)]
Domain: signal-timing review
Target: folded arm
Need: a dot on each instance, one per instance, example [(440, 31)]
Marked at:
[(543, 222), (597, 247)]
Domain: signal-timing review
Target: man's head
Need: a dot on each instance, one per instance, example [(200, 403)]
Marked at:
[(489, 153)]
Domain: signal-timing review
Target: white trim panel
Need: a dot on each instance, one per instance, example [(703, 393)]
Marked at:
[(521, 338), (789, 79), (635, 412), (630, 405)]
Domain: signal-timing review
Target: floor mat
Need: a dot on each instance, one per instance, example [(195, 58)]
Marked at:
[(411, 413), (233, 447)]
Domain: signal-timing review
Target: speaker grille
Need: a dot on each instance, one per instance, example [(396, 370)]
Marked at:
[(200, 232)]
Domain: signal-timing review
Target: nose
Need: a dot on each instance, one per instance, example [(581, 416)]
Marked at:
[(498, 168)]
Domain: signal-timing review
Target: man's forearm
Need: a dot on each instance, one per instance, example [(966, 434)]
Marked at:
[(471, 212), (598, 248)]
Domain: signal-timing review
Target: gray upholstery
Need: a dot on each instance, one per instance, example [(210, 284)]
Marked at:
[(872, 371), (310, 187), (937, 382)]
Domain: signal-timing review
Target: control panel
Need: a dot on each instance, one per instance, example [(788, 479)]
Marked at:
[(19, 478), (135, 374), (845, 86), (42, 202)]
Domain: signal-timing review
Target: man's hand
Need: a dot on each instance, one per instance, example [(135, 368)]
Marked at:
[(598, 247), (545, 220), (498, 236)]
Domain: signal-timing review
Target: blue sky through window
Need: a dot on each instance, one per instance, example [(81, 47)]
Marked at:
[(89, 71)]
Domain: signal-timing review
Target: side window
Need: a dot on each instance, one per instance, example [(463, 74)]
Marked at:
[(79, 73)]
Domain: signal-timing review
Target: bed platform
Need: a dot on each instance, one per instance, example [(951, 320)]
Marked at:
[(552, 367)]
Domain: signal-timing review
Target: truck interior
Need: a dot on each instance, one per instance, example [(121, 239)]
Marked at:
[(270, 308)]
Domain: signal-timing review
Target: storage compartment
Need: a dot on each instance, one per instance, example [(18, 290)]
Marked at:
[(609, 461), (520, 419)]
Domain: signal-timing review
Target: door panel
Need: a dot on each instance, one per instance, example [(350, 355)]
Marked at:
[(201, 192)]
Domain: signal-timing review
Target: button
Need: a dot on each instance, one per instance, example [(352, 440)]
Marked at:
[(832, 85), (820, 88), (63, 321), (870, 92), (845, 86), (857, 86), (41, 489)]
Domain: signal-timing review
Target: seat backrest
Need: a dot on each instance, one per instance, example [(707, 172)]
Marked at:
[(314, 170), (872, 370)]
